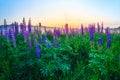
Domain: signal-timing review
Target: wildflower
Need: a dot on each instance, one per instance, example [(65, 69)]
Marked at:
[(21, 28), (108, 43), (7, 34), (25, 36), (91, 32), (29, 26), (37, 49), (24, 24), (44, 38), (56, 43), (100, 41), (13, 37)]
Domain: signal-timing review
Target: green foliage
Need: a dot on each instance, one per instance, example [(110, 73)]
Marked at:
[(75, 59)]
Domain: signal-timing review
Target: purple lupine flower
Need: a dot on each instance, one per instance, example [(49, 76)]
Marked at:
[(57, 32), (44, 38), (24, 24), (21, 28), (74, 32), (91, 32), (16, 28), (25, 36), (13, 37), (100, 41), (7, 35), (107, 31), (29, 26), (56, 44), (82, 30), (29, 43), (108, 43), (37, 49)]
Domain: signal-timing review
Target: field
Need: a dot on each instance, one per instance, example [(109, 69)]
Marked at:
[(65, 54)]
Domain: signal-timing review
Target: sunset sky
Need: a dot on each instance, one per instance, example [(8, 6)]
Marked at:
[(59, 12)]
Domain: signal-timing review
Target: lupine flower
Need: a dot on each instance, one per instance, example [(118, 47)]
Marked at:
[(29, 26), (37, 49), (44, 38), (24, 24), (56, 43), (108, 43), (25, 36), (7, 34), (91, 33), (107, 31), (57, 32), (100, 41), (82, 30), (75, 32), (13, 37), (29, 43), (72, 30), (21, 28)]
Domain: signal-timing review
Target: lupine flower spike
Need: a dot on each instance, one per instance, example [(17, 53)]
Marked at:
[(37, 49), (99, 44), (29, 26), (13, 37)]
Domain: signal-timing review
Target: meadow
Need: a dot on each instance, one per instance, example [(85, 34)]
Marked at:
[(85, 53)]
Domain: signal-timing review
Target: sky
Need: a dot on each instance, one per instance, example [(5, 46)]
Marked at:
[(60, 12)]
